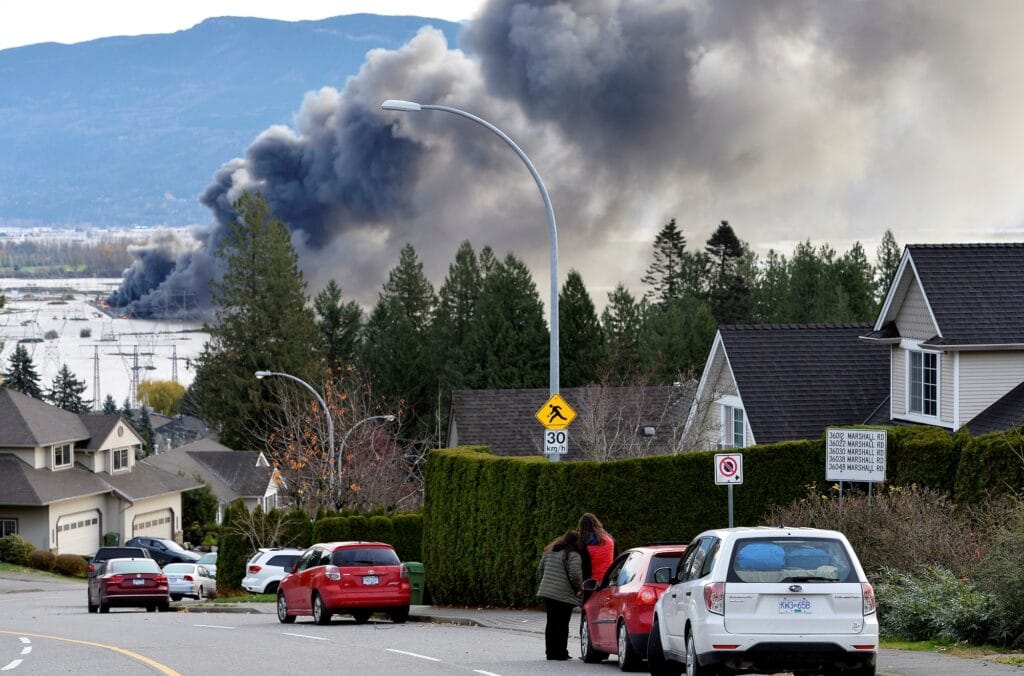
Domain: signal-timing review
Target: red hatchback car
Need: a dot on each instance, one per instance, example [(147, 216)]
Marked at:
[(135, 583), (619, 609), (353, 578)]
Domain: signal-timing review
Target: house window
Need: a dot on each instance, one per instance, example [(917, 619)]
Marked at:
[(738, 428), (62, 456), (8, 527), (924, 383), (120, 458)]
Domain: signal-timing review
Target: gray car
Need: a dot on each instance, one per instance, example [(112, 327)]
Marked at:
[(191, 580)]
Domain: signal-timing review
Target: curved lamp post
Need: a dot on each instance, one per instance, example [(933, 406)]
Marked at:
[(344, 439), (410, 106), (260, 375)]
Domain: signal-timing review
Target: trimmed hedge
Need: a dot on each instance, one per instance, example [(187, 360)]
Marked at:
[(403, 531), (15, 549), (487, 518)]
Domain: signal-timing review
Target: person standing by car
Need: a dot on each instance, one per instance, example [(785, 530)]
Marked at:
[(597, 545), (561, 580)]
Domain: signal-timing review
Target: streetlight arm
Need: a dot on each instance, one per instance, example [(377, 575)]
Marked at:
[(323, 404), (344, 439)]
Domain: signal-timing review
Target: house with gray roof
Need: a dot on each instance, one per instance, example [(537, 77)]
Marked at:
[(68, 479), (947, 349), (610, 423), (231, 475)]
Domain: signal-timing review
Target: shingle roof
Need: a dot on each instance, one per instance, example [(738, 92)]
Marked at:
[(1006, 413), (504, 419), (30, 423), (99, 426), (976, 291), (146, 481), (797, 379), (237, 469)]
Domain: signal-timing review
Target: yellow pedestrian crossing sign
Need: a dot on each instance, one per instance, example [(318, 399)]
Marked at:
[(556, 413)]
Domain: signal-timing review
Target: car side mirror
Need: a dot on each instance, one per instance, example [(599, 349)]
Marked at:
[(663, 575), (590, 585)]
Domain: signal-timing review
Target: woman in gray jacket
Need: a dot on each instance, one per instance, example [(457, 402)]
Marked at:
[(561, 580)]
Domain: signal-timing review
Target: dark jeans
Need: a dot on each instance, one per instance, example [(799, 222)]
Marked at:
[(556, 631)]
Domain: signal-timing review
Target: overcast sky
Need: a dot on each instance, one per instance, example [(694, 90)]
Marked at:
[(26, 22)]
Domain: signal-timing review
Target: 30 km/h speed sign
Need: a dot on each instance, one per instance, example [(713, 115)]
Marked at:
[(556, 442), (728, 469)]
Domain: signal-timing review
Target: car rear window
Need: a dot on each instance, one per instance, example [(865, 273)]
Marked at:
[(134, 566), (668, 560), (179, 568), (365, 556), (104, 553), (283, 560), (791, 560)]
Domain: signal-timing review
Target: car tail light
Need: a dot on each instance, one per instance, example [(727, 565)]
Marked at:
[(403, 572), (714, 598), (647, 596), (187, 578), (92, 568), (254, 569), (115, 579), (333, 573), (868, 593), (162, 579)]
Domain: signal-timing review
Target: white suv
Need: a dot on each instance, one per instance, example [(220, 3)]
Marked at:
[(766, 600), (267, 568)]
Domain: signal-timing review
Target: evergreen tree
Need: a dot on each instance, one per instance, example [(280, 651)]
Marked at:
[(729, 294), (889, 256), (488, 261), (771, 291), (622, 321), (665, 275), (582, 345), (675, 340), (396, 350), (66, 392), (508, 338), (21, 374), (126, 412), (146, 430), (109, 405), (856, 277), (339, 325), (262, 322), (805, 283), (456, 306)]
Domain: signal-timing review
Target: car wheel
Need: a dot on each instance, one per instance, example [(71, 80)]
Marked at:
[(282, 610), (656, 655), (271, 588), (164, 607), (151, 609), (587, 652), (92, 608), (693, 667), (175, 597), (628, 659), (202, 594), (399, 615), (361, 616), (321, 615), (104, 608)]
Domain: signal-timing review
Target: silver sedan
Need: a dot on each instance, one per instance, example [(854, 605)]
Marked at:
[(191, 580)]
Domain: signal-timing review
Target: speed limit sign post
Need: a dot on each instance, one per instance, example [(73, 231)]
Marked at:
[(556, 442), (729, 472)]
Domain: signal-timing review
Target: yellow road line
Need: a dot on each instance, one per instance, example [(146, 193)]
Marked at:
[(135, 656)]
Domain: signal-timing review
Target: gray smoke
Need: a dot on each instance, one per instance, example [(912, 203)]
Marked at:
[(792, 119)]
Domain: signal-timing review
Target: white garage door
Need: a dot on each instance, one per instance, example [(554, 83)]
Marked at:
[(158, 524), (78, 533)]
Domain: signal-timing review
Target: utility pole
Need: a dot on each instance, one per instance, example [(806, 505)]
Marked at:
[(96, 403)]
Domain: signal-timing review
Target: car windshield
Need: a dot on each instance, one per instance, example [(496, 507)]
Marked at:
[(133, 566), (179, 568), (788, 559), (365, 556)]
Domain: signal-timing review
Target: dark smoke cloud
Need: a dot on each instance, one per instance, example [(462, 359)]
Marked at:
[(792, 119)]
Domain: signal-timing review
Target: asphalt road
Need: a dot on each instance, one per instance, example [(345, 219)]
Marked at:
[(45, 629)]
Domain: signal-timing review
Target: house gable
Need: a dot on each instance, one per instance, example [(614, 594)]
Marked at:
[(716, 394)]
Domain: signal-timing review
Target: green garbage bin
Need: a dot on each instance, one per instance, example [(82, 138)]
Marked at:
[(417, 580)]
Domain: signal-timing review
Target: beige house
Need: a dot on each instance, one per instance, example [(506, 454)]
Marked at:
[(947, 349), (68, 480)]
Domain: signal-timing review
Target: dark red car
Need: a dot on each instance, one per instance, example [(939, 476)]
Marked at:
[(619, 609), (351, 578), (133, 583)]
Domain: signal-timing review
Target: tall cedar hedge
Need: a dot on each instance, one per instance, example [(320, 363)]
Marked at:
[(486, 518)]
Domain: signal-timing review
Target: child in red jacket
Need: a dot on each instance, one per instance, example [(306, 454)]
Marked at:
[(598, 547)]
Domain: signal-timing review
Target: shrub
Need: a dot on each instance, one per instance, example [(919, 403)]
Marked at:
[(902, 528), (1000, 573), (15, 549), (932, 603), (41, 559), (71, 565), (234, 551), (297, 530)]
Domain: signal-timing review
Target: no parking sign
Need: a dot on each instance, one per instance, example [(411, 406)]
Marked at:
[(728, 469)]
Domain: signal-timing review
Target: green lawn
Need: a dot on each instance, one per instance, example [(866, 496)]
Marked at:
[(246, 598), (11, 568)]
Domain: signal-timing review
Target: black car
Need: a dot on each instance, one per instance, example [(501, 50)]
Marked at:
[(107, 553), (163, 550)]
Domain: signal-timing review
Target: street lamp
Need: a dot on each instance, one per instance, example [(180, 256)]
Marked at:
[(260, 375), (411, 106), (344, 439)]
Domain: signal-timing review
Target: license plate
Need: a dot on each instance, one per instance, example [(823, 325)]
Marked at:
[(371, 579), (795, 606), (138, 583)]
